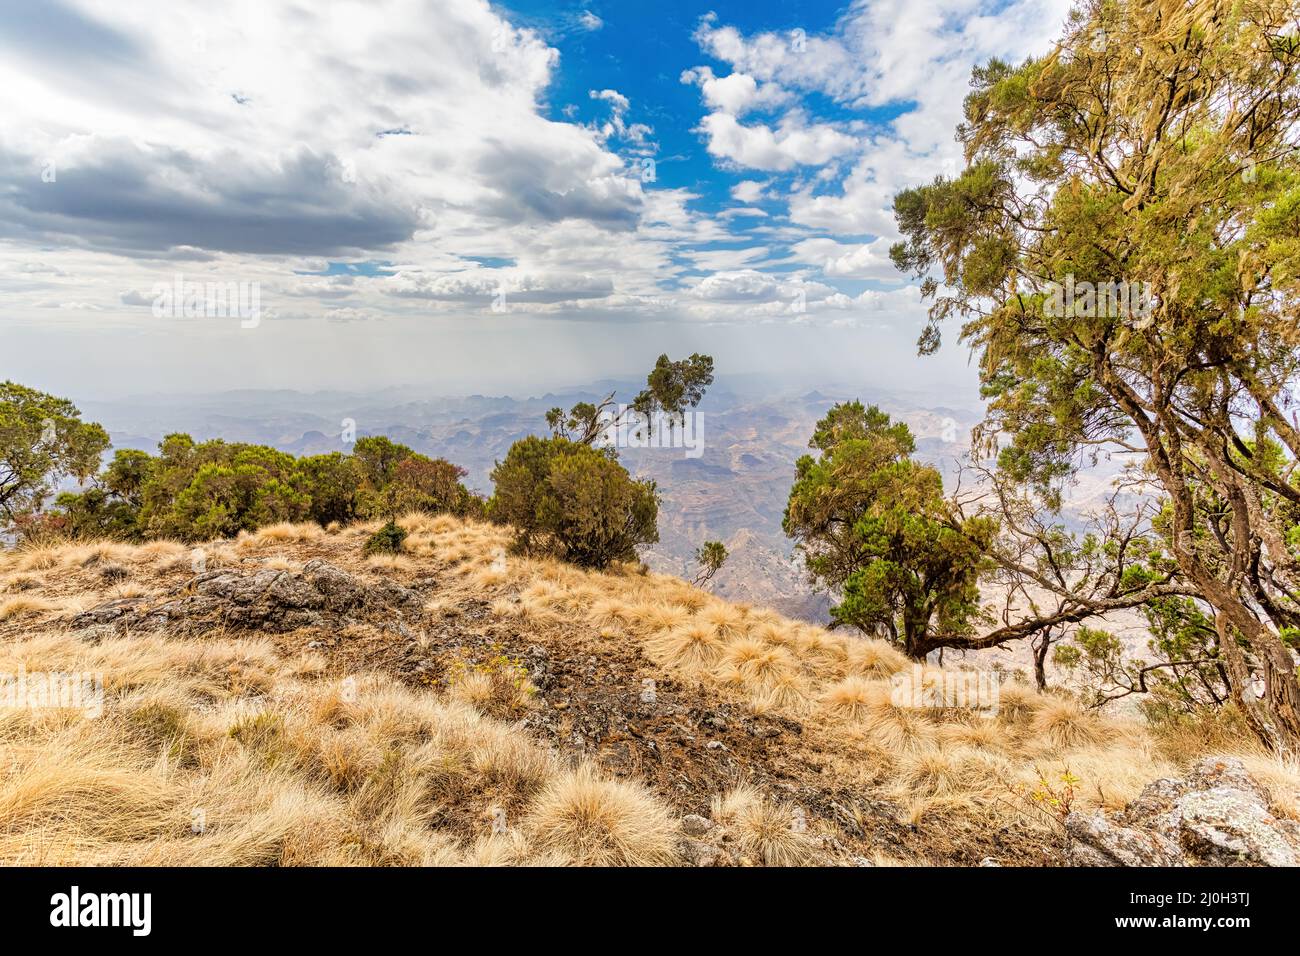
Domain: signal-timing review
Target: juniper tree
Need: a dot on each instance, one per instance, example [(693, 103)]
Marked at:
[(1156, 145), (42, 441)]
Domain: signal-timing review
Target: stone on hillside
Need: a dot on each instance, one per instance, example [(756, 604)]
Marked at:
[(271, 600), (1218, 815)]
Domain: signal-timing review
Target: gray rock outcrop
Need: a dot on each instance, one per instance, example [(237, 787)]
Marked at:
[(267, 600), (1219, 815)]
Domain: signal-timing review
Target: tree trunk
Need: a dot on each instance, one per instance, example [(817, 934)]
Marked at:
[(1040, 659), (1273, 716)]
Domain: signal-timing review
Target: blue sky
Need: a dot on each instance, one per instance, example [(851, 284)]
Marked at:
[(641, 50), (475, 196)]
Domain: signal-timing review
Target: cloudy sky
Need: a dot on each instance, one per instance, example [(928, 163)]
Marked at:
[(472, 196)]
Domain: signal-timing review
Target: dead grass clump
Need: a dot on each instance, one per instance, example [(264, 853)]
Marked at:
[(693, 648), (25, 606), (1017, 704), (751, 663), (647, 618), (850, 699), (589, 821), (765, 831), (726, 619), (286, 532), (872, 658), (21, 582), (390, 562), (949, 772), (1061, 723)]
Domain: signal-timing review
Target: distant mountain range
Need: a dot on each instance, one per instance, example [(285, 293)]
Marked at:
[(735, 491)]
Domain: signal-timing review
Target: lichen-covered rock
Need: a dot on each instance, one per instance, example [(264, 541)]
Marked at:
[(699, 853), (1219, 828), (1218, 815), (695, 825), (270, 600), (1096, 840)]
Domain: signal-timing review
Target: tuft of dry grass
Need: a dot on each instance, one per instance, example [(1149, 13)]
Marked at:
[(771, 673), (949, 772), (21, 582), (25, 606), (648, 618), (280, 562), (608, 613), (693, 648), (871, 658), (764, 830), (286, 532), (390, 562), (594, 822), (1062, 724), (726, 619), (851, 699)]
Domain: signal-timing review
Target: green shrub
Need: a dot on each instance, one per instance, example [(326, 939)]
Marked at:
[(387, 540), (570, 500), (215, 489)]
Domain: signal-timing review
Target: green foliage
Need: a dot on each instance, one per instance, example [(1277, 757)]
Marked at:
[(332, 481), (393, 479), (387, 540), (93, 513), (201, 491), (568, 499), (42, 441), (1181, 674), (710, 557), (223, 499), (671, 388), (1172, 166), (873, 525)]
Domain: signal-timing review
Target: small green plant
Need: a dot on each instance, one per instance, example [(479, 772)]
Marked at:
[(387, 540), (502, 680), (261, 732), (1052, 800)]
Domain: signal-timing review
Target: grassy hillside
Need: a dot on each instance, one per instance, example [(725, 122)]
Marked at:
[(520, 712)]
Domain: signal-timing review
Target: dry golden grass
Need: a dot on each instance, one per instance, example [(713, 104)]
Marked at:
[(608, 614), (25, 606), (764, 831), (648, 618), (774, 665), (589, 821), (871, 658), (289, 766), (280, 562), (850, 699), (692, 648), (1061, 724), (491, 576), (284, 533), (726, 619), (222, 752), (40, 558), (128, 589), (950, 772), (390, 562), (13, 583), (770, 674), (153, 550)]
